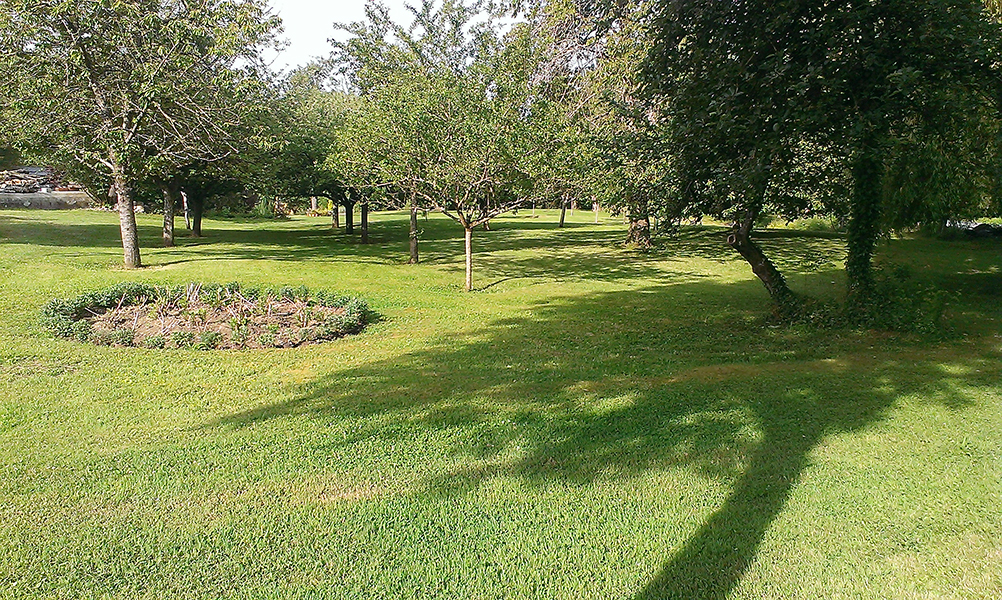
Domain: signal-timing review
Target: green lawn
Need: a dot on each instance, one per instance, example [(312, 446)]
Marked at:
[(590, 423)]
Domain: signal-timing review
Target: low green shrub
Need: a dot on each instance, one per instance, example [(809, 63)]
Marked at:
[(182, 339), (155, 342), (901, 302), (209, 340), (82, 330), (123, 336)]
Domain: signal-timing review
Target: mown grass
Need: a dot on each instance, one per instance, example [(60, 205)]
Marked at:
[(590, 423)]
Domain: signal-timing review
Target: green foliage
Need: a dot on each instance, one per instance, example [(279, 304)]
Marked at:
[(773, 104), (209, 340), (58, 315), (446, 110), (182, 339), (82, 330), (293, 294), (155, 342), (123, 336), (901, 302), (818, 225), (9, 158)]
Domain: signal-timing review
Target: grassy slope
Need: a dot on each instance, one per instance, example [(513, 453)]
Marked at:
[(591, 423)]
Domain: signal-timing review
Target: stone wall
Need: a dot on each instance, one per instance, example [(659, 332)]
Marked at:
[(50, 201)]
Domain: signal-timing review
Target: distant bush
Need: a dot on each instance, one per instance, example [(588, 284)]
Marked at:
[(182, 339), (155, 342), (817, 225)]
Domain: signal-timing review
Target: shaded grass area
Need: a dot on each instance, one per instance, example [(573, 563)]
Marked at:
[(594, 424)]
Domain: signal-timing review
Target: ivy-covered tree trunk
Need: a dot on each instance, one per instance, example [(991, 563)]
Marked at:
[(126, 217), (413, 234), (469, 257), (787, 303), (639, 234), (997, 187), (865, 217)]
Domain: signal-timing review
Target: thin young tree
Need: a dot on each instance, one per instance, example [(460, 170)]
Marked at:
[(451, 98)]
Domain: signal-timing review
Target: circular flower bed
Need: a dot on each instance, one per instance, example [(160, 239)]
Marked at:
[(205, 316)]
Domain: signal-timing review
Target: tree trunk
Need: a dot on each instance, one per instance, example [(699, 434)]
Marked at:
[(864, 219), (365, 222), (469, 259), (413, 234), (170, 198), (187, 210), (997, 188), (335, 212), (126, 219), (638, 218), (594, 205), (349, 218), (563, 211), (786, 302), (313, 203), (197, 205), (639, 234)]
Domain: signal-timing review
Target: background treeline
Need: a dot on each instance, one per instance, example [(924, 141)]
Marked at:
[(873, 116)]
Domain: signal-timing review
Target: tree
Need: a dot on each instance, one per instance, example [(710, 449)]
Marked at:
[(924, 64), (128, 89), (9, 158), (760, 99), (727, 99), (624, 127), (313, 122), (451, 100)]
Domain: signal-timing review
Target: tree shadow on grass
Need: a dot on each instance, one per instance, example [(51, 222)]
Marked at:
[(515, 248), (40, 229), (791, 250), (614, 385)]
